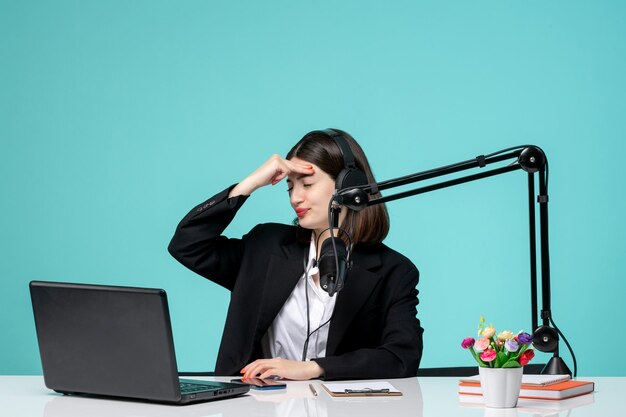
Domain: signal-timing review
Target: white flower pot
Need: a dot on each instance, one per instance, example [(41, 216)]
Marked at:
[(500, 386)]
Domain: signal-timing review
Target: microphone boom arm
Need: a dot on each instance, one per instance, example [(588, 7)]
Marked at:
[(529, 158)]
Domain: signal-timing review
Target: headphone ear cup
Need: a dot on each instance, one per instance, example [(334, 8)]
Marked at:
[(545, 339), (350, 178), (340, 179)]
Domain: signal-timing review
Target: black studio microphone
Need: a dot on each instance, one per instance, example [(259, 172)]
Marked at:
[(332, 281)]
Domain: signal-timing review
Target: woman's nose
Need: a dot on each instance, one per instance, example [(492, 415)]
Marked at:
[(296, 196)]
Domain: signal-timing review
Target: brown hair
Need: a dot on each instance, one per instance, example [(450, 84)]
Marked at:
[(371, 224)]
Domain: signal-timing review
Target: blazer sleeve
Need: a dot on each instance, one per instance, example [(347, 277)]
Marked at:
[(400, 350), (199, 245)]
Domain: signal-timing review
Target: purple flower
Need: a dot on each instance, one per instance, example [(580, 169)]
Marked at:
[(467, 342), (511, 345), (524, 338)]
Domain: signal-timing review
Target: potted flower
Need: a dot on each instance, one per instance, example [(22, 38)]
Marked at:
[(500, 357)]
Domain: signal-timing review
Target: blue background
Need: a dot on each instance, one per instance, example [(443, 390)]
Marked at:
[(117, 117)]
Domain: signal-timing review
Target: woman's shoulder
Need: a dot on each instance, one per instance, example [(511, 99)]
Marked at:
[(276, 232), (389, 258)]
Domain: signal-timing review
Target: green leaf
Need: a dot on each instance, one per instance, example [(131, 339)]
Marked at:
[(512, 364), (476, 356), (501, 359)]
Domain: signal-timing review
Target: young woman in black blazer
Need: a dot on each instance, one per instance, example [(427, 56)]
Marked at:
[(280, 323)]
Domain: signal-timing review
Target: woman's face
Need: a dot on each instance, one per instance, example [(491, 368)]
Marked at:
[(310, 195)]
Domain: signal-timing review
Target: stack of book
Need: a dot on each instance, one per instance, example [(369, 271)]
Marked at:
[(537, 407), (542, 387)]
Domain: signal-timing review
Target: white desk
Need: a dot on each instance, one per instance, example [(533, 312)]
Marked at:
[(22, 396)]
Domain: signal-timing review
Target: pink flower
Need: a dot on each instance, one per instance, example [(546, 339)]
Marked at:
[(488, 355), (526, 356), (481, 344), (467, 342)]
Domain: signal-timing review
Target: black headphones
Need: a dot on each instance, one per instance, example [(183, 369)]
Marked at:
[(350, 175)]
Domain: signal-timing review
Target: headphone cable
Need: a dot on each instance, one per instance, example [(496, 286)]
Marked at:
[(308, 318)]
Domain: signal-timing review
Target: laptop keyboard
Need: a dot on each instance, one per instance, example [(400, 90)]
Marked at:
[(188, 387)]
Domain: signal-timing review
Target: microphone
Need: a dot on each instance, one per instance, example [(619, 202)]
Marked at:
[(331, 279)]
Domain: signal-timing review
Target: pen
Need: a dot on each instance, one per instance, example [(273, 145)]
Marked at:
[(312, 388)]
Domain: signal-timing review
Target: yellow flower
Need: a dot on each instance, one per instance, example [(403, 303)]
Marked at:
[(488, 332), (505, 335)]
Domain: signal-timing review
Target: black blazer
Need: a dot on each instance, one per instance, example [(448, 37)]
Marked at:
[(374, 332)]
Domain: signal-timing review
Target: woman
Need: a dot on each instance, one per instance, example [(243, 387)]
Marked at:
[(280, 322)]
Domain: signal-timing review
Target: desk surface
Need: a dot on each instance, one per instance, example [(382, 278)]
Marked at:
[(22, 396)]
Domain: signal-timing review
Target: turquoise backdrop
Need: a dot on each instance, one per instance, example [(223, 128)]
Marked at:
[(117, 117)]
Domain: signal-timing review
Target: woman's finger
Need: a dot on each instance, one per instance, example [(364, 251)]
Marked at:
[(278, 177), (254, 368), (301, 168), (271, 372), (286, 167)]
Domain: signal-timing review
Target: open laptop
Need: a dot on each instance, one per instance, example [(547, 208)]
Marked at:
[(113, 341)]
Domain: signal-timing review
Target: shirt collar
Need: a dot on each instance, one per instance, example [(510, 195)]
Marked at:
[(312, 268)]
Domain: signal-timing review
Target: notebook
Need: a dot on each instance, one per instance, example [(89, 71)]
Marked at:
[(527, 379), (113, 341)]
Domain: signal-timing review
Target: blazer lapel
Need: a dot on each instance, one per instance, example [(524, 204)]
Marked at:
[(284, 269), (358, 287)]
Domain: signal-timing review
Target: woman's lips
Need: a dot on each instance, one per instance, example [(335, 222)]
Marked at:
[(300, 212)]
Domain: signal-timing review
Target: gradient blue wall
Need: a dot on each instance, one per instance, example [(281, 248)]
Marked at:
[(117, 117)]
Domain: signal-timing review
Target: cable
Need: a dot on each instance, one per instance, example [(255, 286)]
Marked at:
[(339, 229), (306, 294), (571, 351), (306, 342)]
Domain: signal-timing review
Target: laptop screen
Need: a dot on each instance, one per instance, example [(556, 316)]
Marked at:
[(105, 340)]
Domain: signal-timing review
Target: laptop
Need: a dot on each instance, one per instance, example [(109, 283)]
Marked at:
[(113, 341)]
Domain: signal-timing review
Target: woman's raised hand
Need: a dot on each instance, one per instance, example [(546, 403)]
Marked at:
[(271, 172)]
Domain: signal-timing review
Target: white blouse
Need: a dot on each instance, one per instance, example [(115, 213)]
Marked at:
[(286, 336)]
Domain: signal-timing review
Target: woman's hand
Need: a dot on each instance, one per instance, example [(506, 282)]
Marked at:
[(271, 172), (283, 368)]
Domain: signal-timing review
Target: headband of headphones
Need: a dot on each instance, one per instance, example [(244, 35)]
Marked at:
[(350, 175)]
